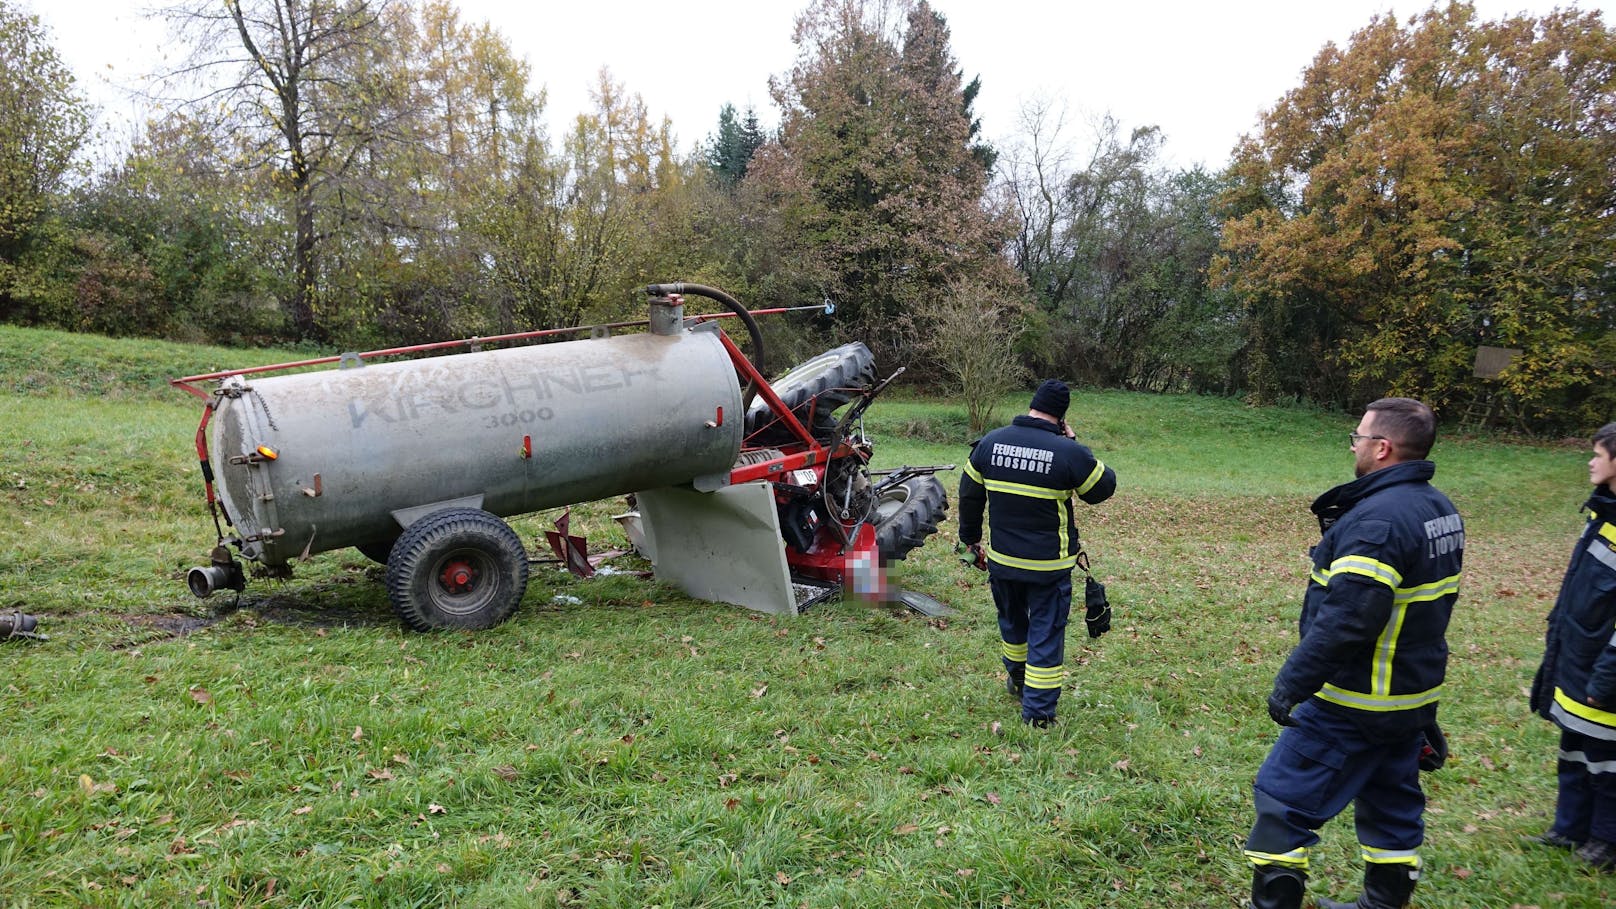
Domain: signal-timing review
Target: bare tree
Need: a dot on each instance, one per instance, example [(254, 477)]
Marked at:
[(969, 333), (304, 88), (1115, 248)]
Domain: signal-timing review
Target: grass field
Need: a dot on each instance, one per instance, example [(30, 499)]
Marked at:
[(639, 748)]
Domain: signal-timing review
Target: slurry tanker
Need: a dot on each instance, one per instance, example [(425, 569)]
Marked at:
[(748, 492)]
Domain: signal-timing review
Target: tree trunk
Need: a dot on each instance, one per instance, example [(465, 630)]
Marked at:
[(305, 266)]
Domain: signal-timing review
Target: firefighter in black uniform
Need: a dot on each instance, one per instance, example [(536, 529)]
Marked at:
[(1364, 679), (1026, 475), (1576, 686)]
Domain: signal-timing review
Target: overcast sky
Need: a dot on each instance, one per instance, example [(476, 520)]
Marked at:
[(1201, 70)]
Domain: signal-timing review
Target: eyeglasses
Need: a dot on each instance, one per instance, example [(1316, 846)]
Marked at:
[(1353, 438)]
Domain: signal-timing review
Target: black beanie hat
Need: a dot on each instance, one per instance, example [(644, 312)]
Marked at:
[(1052, 398)]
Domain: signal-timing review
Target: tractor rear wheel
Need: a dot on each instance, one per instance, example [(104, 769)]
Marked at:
[(906, 514), (819, 385), (460, 568)]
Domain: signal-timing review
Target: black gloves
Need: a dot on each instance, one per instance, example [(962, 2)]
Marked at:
[(1542, 691), (1098, 613), (1434, 750), (1279, 709)]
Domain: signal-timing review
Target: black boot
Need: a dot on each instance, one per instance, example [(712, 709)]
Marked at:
[(1384, 887), (1277, 887)]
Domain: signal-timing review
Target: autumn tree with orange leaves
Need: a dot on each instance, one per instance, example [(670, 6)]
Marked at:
[(1431, 188)]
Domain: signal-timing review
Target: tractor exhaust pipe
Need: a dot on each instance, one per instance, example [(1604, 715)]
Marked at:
[(224, 573)]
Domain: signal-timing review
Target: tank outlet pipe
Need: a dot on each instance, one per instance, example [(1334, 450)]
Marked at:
[(17, 624), (224, 573), (713, 293), (667, 315)]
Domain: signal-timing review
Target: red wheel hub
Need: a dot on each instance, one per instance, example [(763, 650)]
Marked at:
[(458, 576)]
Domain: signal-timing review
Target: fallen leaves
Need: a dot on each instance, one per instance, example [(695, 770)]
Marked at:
[(92, 788)]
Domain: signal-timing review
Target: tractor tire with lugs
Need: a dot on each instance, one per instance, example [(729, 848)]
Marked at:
[(818, 386), (906, 514)]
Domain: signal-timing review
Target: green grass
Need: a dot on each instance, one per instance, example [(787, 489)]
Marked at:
[(640, 748)]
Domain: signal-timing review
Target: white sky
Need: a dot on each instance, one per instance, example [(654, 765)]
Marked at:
[(1202, 70)]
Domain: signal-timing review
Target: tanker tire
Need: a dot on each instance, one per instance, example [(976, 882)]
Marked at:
[(906, 514), (379, 551), (460, 568), (815, 385)]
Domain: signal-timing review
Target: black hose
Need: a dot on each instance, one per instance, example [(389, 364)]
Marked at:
[(752, 330)]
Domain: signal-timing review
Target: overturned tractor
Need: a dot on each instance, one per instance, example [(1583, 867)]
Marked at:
[(748, 493)]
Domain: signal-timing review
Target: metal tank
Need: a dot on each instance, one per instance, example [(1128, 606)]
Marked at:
[(350, 457)]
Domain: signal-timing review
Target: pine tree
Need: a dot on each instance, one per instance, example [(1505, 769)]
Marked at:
[(875, 168), (730, 150)]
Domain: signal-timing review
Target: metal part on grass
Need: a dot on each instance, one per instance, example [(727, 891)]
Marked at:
[(18, 624)]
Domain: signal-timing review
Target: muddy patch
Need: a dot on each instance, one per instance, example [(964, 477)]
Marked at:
[(276, 610), (290, 611)]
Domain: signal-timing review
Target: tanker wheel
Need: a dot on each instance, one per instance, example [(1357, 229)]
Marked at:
[(460, 568), (377, 551), (816, 385), (906, 514)]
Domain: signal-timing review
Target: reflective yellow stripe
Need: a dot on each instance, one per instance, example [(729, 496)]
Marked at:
[(1374, 856), (1044, 676), (1378, 702), (1032, 564), (1435, 590), (1015, 653), (1380, 671), (1586, 711), (1094, 477), (1063, 517), (973, 473), (1296, 858), (1063, 520), (1369, 568), (1022, 489), (1608, 531)]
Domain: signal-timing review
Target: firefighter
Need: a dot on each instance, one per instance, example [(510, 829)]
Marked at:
[(1357, 697), (1575, 687), (1027, 475)]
